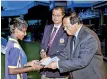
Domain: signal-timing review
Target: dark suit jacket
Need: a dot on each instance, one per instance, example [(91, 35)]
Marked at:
[(59, 43), (86, 62)]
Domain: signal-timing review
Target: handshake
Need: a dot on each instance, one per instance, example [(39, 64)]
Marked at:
[(35, 64), (44, 63)]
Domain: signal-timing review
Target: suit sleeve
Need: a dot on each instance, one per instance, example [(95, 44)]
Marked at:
[(62, 55), (88, 49)]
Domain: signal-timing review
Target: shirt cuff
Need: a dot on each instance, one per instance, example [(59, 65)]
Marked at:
[(42, 50)]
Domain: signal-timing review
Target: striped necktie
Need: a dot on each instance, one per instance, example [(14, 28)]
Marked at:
[(52, 36)]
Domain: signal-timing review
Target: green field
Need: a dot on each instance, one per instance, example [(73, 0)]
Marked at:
[(32, 52)]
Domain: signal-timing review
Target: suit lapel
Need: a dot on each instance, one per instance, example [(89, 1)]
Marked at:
[(49, 32), (69, 47), (50, 29), (57, 37), (77, 41)]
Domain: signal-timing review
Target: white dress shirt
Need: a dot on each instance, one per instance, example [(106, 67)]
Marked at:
[(56, 30)]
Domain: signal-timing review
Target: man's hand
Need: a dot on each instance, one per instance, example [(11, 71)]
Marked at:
[(30, 63), (37, 66), (43, 54), (52, 65)]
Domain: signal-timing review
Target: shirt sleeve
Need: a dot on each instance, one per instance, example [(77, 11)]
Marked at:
[(13, 57)]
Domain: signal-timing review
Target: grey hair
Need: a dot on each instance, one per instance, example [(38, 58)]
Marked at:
[(74, 18), (17, 23)]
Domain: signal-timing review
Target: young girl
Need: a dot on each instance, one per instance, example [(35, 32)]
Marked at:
[(15, 58)]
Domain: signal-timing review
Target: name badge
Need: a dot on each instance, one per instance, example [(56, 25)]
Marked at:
[(62, 40)]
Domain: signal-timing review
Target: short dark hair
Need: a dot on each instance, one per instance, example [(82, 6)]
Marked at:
[(17, 23), (61, 8), (74, 18)]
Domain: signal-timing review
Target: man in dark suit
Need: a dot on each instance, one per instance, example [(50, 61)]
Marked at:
[(82, 55), (54, 41)]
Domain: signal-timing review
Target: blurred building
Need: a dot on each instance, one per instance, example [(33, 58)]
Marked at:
[(38, 14)]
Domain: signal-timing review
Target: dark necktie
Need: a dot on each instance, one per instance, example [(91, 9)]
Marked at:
[(72, 43), (52, 36), (74, 38), (72, 49)]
